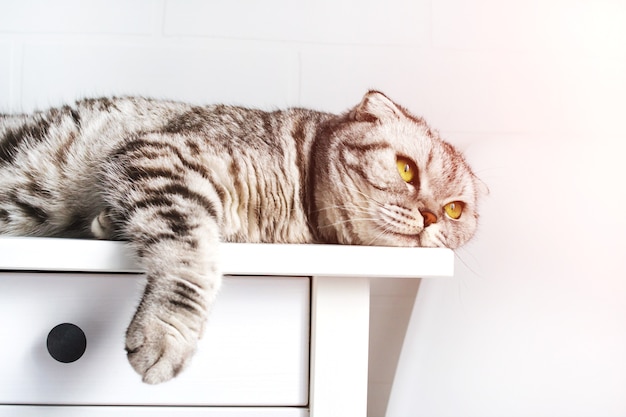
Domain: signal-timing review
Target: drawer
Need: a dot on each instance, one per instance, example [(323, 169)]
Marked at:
[(255, 350)]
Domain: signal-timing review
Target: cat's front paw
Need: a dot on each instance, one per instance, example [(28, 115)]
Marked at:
[(159, 349)]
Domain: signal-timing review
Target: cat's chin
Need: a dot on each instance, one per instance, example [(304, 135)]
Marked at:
[(398, 239), (410, 240)]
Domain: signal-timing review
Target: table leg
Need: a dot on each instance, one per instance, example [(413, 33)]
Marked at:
[(339, 346)]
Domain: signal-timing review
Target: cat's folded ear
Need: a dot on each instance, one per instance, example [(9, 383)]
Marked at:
[(376, 106)]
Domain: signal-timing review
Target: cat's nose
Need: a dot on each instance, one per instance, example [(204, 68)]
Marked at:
[(429, 217)]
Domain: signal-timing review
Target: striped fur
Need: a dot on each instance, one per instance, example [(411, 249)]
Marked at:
[(175, 179)]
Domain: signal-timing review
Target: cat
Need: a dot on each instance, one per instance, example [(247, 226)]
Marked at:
[(174, 179)]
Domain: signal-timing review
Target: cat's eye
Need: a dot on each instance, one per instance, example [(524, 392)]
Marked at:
[(407, 169), (454, 209)]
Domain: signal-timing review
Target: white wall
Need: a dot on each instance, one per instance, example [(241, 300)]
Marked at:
[(534, 323)]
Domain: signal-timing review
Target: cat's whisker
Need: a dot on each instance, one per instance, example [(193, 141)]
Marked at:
[(385, 231), (464, 281), (350, 220), (350, 207), (465, 264), (367, 197)]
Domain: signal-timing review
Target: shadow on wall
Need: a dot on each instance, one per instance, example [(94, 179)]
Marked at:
[(391, 304)]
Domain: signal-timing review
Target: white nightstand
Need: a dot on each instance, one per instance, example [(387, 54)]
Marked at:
[(287, 337)]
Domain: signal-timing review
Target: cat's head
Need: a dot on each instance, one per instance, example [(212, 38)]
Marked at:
[(382, 177)]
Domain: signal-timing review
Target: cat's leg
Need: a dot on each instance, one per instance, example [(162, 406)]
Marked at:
[(183, 278), (171, 218)]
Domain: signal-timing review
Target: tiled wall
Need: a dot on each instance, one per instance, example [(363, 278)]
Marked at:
[(273, 53), (532, 90)]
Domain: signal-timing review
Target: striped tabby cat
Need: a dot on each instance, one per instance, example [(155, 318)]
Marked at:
[(175, 179)]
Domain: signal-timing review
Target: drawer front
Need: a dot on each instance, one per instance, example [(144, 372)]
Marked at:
[(255, 350)]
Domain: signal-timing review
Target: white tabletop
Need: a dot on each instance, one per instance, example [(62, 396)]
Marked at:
[(48, 254)]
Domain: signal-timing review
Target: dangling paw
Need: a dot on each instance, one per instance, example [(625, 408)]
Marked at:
[(158, 349)]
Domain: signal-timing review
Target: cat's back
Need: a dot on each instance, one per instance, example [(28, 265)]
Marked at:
[(92, 124), (100, 124), (57, 159)]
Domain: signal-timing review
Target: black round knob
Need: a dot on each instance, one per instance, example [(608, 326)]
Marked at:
[(66, 342)]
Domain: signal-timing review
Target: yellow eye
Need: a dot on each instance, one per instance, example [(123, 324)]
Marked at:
[(454, 209), (407, 169)]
